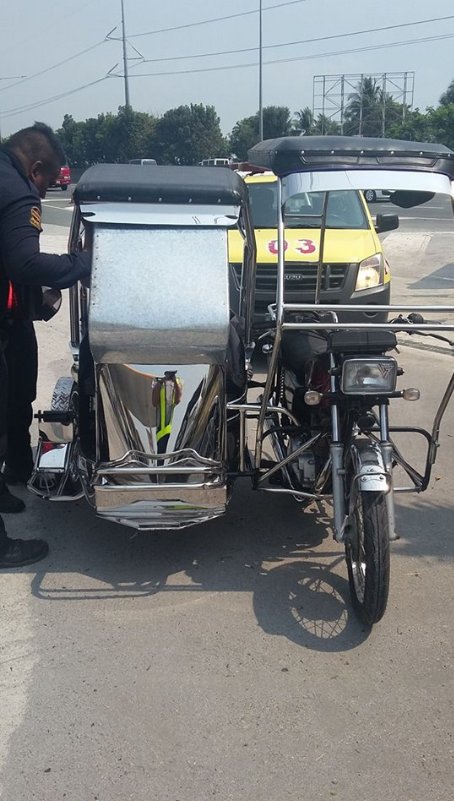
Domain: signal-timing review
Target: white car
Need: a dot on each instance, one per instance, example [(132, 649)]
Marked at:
[(372, 195)]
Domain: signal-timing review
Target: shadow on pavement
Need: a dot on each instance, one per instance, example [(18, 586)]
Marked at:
[(266, 545)]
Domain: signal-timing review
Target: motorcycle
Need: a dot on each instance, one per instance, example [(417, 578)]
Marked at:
[(152, 426)]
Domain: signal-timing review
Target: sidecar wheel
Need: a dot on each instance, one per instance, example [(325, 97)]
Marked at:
[(367, 555)]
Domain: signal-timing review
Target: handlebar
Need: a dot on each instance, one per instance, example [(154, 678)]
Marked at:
[(414, 318)]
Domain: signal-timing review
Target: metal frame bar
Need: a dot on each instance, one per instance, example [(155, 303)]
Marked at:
[(74, 311), (140, 471), (337, 448)]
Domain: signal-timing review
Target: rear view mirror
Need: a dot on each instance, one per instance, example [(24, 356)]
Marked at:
[(386, 222)]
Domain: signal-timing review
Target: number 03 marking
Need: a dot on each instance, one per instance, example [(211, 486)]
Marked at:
[(306, 246)]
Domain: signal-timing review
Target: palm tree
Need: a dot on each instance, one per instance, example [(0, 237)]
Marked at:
[(304, 121), (364, 110)]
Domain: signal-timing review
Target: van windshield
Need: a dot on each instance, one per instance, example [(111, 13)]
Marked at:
[(345, 209)]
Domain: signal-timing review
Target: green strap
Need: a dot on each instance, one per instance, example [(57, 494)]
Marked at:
[(165, 429)]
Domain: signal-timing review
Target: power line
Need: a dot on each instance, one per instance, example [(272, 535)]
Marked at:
[(54, 66), (214, 19), (19, 110), (300, 41), (295, 58), (13, 112)]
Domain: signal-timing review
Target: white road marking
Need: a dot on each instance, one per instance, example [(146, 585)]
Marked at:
[(60, 208), (429, 219)]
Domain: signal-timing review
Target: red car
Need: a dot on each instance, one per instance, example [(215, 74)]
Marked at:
[(64, 179)]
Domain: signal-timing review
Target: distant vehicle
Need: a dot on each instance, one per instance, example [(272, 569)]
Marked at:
[(64, 179), (152, 162), (372, 195), (215, 163)]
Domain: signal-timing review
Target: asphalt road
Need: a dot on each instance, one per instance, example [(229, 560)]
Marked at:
[(435, 216), (225, 661), (57, 207)]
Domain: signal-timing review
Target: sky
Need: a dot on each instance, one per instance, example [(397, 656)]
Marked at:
[(184, 46)]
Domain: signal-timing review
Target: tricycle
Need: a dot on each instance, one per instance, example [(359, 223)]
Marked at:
[(162, 411)]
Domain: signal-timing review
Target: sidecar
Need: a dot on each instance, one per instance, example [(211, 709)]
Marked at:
[(141, 427)]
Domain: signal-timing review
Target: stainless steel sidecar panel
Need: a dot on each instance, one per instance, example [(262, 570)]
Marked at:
[(131, 419), (159, 295), (161, 441), (160, 507)]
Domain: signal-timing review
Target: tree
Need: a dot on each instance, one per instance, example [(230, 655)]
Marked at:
[(70, 135), (188, 134), (107, 137), (448, 95), (370, 111), (324, 126), (245, 134), (362, 113), (127, 135), (416, 127), (304, 122)]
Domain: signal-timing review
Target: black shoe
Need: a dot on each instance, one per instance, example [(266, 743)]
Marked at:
[(23, 552), (9, 504)]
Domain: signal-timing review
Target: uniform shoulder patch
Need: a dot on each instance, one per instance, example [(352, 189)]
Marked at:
[(35, 217)]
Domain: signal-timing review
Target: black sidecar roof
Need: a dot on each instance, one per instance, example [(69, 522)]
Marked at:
[(125, 183), (321, 153)]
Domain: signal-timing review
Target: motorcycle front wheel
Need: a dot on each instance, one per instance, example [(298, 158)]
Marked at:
[(367, 556)]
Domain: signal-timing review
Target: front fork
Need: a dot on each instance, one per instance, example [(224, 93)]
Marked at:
[(337, 464), (373, 468)]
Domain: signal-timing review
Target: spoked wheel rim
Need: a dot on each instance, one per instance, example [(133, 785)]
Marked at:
[(367, 554), (357, 551)]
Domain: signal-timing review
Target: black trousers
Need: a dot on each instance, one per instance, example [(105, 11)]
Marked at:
[(21, 356), (3, 419)]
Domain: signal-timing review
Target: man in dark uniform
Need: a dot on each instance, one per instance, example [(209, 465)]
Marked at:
[(28, 164)]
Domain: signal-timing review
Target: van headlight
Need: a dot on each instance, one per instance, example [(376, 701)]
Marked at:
[(369, 376), (370, 272)]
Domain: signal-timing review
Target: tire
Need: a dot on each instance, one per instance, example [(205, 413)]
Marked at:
[(61, 398), (64, 188), (370, 195), (367, 556)]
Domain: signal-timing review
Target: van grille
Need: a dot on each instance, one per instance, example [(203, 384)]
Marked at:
[(299, 277)]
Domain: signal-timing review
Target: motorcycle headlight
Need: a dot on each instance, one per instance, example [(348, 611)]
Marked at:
[(369, 376), (370, 272)]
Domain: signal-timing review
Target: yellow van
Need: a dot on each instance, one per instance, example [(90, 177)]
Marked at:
[(355, 269)]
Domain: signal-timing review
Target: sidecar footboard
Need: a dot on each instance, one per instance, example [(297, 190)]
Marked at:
[(160, 506)]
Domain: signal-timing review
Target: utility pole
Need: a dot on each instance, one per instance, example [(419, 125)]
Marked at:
[(260, 75), (125, 58)]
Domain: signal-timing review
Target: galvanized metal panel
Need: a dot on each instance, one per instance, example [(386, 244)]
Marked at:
[(159, 296)]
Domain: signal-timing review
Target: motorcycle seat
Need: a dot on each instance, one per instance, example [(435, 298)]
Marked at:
[(356, 342)]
